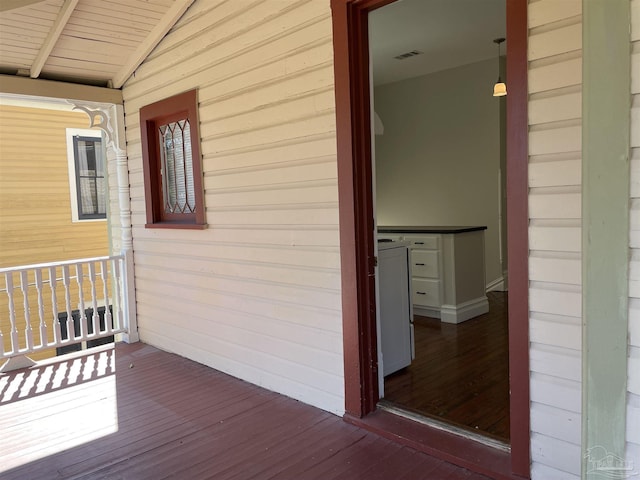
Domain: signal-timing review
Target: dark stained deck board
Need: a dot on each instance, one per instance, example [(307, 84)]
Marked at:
[(177, 419), (460, 373)]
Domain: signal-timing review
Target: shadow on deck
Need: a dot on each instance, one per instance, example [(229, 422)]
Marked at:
[(136, 412)]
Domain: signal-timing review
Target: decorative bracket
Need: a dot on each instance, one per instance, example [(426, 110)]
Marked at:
[(100, 115)]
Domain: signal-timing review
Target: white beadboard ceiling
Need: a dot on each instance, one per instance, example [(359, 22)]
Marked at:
[(93, 42), (102, 42)]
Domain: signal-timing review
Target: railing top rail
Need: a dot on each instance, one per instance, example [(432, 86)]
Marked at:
[(59, 264)]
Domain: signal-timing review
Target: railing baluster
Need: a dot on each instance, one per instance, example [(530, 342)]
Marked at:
[(83, 316), (33, 280), (66, 280), (44, 341), (2, 351), (53, 283), (104, 275), (94, 300), (118, 289), (24, 286), (12, 313)]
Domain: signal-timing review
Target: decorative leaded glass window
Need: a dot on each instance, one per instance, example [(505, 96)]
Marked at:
[(177, 167), (172, 165)]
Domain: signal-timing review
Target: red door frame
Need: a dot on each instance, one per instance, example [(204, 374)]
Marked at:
[(351, 64)]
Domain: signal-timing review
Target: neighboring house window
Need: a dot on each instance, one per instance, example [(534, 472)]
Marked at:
[(87, 175), (174, 194)]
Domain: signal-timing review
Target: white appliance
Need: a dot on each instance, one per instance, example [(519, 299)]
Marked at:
[(395, 307)]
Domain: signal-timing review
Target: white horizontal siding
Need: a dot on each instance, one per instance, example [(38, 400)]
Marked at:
[(543, 13), (539, 470), (564, 424), (260, 288), (557, 330), (555, 209), (555, 39), (558, 361), (556, 267), (633, 382), (564, 71), (557, 454), (555, 235), (555, 299), (555, 171)]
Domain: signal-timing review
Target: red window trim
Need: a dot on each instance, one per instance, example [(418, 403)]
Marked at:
[(183, 105)]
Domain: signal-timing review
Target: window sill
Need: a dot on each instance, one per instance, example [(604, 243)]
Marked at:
[(179, 226), (87, 220)]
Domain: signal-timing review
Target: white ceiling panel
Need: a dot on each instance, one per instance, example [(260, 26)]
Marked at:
[(448, 33)]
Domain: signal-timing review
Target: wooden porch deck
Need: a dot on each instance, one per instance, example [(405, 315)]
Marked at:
[(136, 412)]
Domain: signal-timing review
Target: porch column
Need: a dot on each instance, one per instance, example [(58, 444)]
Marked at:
[(110, 119), (605, 234)]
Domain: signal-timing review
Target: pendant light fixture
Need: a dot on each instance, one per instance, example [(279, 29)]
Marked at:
[(499, 89)]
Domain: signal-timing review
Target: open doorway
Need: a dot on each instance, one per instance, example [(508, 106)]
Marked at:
[(439, 158), (358, 246)]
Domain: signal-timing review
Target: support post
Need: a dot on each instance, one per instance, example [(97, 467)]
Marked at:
[(605, 234), (110, 119)]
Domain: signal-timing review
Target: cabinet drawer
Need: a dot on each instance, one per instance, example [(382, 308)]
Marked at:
[(424, 263), (426, 292), (429, 242)]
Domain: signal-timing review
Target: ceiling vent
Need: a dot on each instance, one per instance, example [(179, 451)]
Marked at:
[(412, 53)]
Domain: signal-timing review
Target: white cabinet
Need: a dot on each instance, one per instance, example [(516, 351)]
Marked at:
[(426, 274), (396, 322), (447, 270)]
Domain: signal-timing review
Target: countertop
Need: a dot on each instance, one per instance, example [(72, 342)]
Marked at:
[(387, 244), (429, 229)]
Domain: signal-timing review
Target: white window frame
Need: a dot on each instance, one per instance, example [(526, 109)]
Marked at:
[(73, 191)]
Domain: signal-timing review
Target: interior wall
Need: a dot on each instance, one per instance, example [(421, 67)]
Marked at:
[(438, 161)]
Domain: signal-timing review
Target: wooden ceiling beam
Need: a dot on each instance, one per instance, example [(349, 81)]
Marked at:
[(144, 49), (52, 38), (36, 87)]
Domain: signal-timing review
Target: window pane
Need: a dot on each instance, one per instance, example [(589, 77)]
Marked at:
[(90, 177), (191, 194), (177, 169), (100, 164), (178, 144), (81, 158), (102, 196), (88, 196)]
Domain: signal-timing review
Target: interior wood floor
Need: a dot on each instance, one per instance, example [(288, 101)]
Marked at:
[(134, 412), (461, 372)]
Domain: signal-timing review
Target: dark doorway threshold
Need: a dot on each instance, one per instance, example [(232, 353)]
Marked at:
[(463, 450)]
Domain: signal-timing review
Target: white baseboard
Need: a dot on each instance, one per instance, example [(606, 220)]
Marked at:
[(464, 311), (500, 284), (426, 311)]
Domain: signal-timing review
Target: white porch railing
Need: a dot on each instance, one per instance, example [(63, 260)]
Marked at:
[(57, 304)]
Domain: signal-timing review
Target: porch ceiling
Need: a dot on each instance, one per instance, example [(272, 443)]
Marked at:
[(102, 42), (91, 42)]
